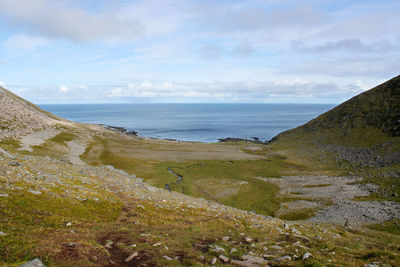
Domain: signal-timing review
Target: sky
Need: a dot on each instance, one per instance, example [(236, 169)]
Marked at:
[(148, 51)]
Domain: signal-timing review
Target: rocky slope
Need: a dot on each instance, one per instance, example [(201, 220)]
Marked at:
[(73, 215), (364, 130), (19, 117)]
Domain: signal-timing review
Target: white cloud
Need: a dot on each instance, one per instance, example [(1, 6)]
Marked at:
[(58, 19), (63, 88), (21, 44), (2, 83)]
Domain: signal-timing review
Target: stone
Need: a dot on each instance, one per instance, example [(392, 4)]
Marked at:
[(33, 263), (217, 249), (248, 239), (372, 264), (233, 250), (109, 244), (214, 261), (253, 259), (226, 238), (130, 257), (276, 247), (167, 258), (243, 263), (68, 224), (306, 256), (2, 233), (14, 163), (284, 258), (223, 258), (157, 244), (5, 153), (35, 192), (4, 195)]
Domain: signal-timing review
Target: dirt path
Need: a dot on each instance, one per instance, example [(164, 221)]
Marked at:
[(76, 149), (335, 198), (36, 138)]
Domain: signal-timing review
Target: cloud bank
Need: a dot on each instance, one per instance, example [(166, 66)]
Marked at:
[(197, 51)]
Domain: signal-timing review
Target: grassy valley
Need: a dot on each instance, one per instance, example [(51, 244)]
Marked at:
[(83, 195)]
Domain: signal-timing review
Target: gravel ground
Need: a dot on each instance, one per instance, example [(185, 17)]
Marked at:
[(75, 150), (36, 138), (339, 192)]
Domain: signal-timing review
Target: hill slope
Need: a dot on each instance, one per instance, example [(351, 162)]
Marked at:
[(364, 130), (19, 117)]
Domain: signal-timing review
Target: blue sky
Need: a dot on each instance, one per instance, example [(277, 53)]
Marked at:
[(97, 51)]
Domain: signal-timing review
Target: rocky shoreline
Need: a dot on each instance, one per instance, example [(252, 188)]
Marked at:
[(255, 140)]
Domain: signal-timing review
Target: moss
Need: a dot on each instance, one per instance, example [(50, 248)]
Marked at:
[(27, 218), (63, 137), (10, 144), (316, 185), (392, 227), (301, 214)]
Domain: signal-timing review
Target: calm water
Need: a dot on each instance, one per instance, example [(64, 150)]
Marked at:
[(195, 122)]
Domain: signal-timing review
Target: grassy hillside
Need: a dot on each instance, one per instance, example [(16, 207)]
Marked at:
[(363, 131)]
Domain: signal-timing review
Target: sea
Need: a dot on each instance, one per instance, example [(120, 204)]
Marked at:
[(194, 122)]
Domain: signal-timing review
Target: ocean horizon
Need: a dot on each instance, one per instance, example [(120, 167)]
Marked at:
[(194, 122)]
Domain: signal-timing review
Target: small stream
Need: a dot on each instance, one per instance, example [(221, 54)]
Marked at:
[(180, 178)]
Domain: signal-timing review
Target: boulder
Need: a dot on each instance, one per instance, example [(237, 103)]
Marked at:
[(33, 263)]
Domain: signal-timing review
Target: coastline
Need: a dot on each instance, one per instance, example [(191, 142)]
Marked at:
[(134, 133)]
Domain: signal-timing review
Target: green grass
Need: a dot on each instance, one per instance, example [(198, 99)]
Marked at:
[(228, 182), (389, 188), (29, 218), (63, 137), (10, 144), (392, 227), (316, 185), (301, 214)]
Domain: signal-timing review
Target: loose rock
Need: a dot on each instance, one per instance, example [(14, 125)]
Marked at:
[(248, 239), (167, 258), (223, 258), (35, 192), (109, 244), (284, 258), (33, 263), (130, 257), (244, 263)]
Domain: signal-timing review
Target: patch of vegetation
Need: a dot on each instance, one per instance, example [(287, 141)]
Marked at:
[(300, 214), (228, 182), (63, 137), (28, 219), (10, 144), (389, 188), (392, 227)]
